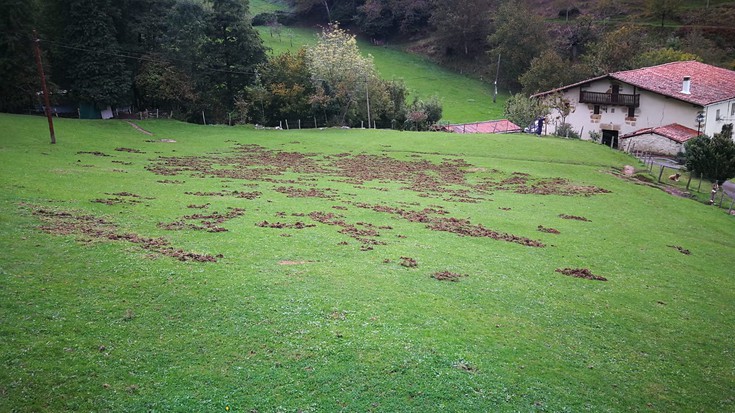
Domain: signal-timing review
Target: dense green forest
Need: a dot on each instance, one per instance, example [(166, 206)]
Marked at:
[(193, 56)]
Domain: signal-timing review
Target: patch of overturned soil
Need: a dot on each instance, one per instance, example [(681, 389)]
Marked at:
[(95, 153), (91, 228), (408, 262), (297, 175), (115, 201), (580, 273), (129, 150), (523, 183), (292, 192), (445, 180), (542, 228), (203, 222), (447, 276), (461, 227), (574, 217), (236, 194), (120, 198), (366, 236), (681, 249), (250, 162), (282, 225)]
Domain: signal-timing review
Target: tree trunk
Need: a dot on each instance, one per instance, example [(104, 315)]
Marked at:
[(329, 13)]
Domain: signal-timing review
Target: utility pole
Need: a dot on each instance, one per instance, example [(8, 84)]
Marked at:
[(42, 75), (367, 97), (497, 74)]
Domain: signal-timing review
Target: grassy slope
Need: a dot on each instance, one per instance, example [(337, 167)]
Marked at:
[(348, 330), (263, 6), (464, 99)]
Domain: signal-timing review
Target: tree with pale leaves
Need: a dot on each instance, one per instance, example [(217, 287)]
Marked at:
[(341, 75)]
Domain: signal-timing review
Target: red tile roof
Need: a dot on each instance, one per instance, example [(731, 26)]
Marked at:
[(491, 126), (709, 84), (675, 132)]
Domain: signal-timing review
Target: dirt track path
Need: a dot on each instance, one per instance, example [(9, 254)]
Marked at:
[(139, 129)]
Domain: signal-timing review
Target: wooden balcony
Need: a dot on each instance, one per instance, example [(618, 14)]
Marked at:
[(610, 99)]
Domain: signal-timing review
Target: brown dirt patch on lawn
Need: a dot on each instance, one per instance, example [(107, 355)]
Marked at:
[(580, 273), (205, 222), (461, 227), (574, 217), (409, 262), (95, 153), (447, 276), (130, 150), (542, 228), (90, 228), (681, 249)]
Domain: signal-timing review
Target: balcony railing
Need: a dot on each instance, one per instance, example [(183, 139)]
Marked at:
[(612, 99)]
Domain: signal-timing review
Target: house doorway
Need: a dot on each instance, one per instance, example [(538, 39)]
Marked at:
[(610, 138)]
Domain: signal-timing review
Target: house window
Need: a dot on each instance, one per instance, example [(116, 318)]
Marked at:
[(597, 109), (732, 109), (717, 115), (631, 112)]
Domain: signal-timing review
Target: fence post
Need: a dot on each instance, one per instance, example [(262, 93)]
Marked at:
[(315, 124), (660, 173), (722, 197), (690, 179), (299, 124), (204, 119)]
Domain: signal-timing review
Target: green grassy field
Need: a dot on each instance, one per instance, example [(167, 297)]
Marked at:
[(464, 99), (312, 301), (265, 6)]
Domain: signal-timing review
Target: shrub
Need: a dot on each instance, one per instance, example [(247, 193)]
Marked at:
[(565, 130), (262, 19)]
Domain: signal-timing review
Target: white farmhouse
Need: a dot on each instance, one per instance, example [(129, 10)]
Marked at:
[(655, 109)]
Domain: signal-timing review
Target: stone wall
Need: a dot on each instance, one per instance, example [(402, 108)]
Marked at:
[(653, 144)]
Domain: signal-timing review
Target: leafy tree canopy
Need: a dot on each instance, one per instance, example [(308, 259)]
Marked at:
[(713, 158), (519, 36), (523, 110)]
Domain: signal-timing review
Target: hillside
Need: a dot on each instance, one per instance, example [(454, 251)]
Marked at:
[(458, 35), (464, 98), (212, 268)]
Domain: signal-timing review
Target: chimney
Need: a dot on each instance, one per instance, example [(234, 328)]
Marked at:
[(686, 84)]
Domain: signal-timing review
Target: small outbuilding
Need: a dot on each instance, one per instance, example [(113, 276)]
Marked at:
[(663, 140)]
